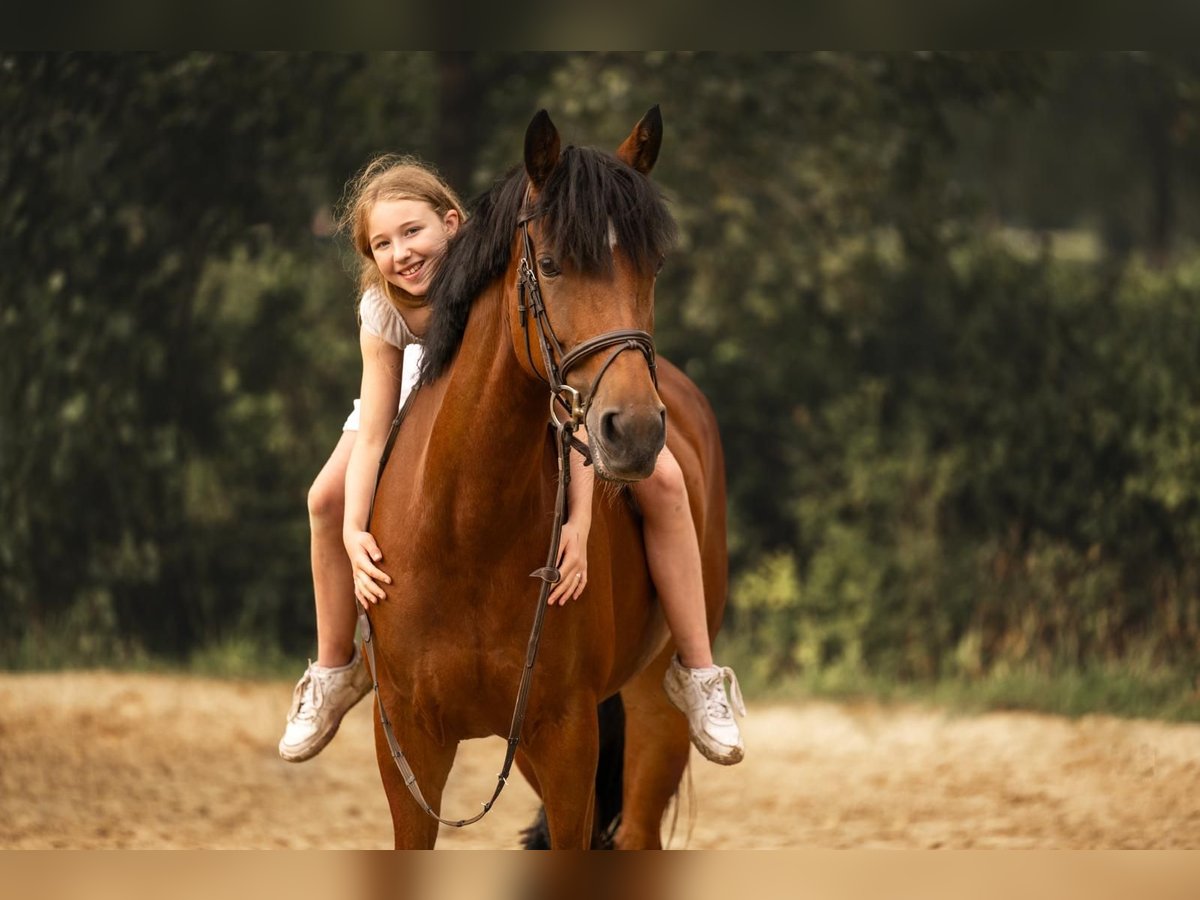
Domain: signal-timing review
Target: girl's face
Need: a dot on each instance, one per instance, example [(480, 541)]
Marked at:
[(407, 238)]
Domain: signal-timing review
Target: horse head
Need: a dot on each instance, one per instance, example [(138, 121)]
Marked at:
[(593, 232)]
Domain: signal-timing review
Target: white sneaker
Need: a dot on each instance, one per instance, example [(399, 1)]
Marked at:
[(319, 701), (700, 695)]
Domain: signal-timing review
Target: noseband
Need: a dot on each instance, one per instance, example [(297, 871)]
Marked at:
[(557, 363)]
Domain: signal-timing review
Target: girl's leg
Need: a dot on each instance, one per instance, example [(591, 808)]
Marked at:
[(338, 680), (673, 553), (693, 683), (333, 586)]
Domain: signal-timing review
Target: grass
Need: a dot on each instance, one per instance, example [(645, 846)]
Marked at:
[(1130, 690), (241, 657), (236, 657), (1124, 691)]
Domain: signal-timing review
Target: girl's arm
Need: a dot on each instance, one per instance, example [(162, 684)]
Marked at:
[(572, 549), (383, 365)]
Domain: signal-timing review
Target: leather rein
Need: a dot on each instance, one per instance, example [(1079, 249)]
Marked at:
[(557, 365)]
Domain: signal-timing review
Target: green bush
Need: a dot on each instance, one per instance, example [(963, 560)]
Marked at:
[(940, 305), (1022, 492)]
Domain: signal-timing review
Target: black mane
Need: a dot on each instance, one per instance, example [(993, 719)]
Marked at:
[(587, 190)]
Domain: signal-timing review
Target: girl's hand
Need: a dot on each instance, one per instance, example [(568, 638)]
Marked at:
[(572, 564), (364, 554)]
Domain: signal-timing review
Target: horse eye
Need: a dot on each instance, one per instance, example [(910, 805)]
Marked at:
[(549, 269), (661, 262)]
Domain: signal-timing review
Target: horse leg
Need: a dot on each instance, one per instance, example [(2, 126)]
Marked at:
[(563, 755), (413, 828), (535, 836), (656, 753), (525, 767), (609, 768)]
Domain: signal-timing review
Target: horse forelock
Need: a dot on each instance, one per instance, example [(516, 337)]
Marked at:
[(589, 198), (592, 197)]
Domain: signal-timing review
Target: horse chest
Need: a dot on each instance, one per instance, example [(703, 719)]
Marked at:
[(455, 655)]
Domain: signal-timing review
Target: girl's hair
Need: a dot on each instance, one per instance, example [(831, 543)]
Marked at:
[(390, 177)]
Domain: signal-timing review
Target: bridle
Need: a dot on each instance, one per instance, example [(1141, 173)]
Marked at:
[(557, 365)]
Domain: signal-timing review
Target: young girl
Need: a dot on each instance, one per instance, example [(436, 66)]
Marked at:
[(400, 216)]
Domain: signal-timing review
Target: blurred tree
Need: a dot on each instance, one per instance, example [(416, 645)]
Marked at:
[(1108, 145), (124, 178), (957, 437)]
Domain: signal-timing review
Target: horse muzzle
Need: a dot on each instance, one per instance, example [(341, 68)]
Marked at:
[(625, 442)]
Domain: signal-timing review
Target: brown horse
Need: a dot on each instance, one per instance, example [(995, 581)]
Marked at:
[(465, 503)]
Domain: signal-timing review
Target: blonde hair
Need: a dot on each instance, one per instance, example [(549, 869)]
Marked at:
[(390, 177)]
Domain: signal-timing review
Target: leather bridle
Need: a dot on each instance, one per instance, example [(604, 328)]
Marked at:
[(557, 365)]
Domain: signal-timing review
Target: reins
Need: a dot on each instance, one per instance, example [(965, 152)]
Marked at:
[(557, 365)]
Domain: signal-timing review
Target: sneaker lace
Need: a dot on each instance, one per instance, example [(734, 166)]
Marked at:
[(716, 704), (307, 697)]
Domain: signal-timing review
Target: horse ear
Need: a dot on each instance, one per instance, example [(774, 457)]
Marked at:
[(541, 148), (640, 149)]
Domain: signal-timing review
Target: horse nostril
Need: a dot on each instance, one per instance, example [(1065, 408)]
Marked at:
[(608, 427)]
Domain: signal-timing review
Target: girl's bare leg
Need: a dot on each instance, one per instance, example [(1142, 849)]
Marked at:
[(331, 686), (673, 553), (692, 682), (333, 587)]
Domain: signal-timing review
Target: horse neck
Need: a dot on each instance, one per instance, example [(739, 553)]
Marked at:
[(492, 419)]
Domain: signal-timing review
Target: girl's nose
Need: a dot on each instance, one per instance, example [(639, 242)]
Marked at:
[(399, 252)]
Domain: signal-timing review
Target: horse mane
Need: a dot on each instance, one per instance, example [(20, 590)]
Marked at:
[(586, 191)]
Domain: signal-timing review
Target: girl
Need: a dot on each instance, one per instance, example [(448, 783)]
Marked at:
[(400, 216)]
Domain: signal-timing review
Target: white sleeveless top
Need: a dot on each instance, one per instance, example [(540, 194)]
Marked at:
[(384, 321)]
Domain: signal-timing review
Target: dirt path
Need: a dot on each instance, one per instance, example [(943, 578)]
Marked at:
[(91, 760)]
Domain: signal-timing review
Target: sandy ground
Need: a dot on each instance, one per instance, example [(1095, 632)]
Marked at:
[(101, 760)]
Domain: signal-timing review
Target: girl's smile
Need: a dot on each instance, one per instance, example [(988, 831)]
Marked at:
[(407, 238)]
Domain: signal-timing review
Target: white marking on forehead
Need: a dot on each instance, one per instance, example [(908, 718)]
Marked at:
[(612, 235)]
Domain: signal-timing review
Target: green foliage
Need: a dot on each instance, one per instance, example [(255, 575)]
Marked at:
[(1022, 494), (1130, 688), (151, 488), (946, 307)]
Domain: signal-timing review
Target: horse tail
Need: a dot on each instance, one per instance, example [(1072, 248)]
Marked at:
[(610, 773)]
